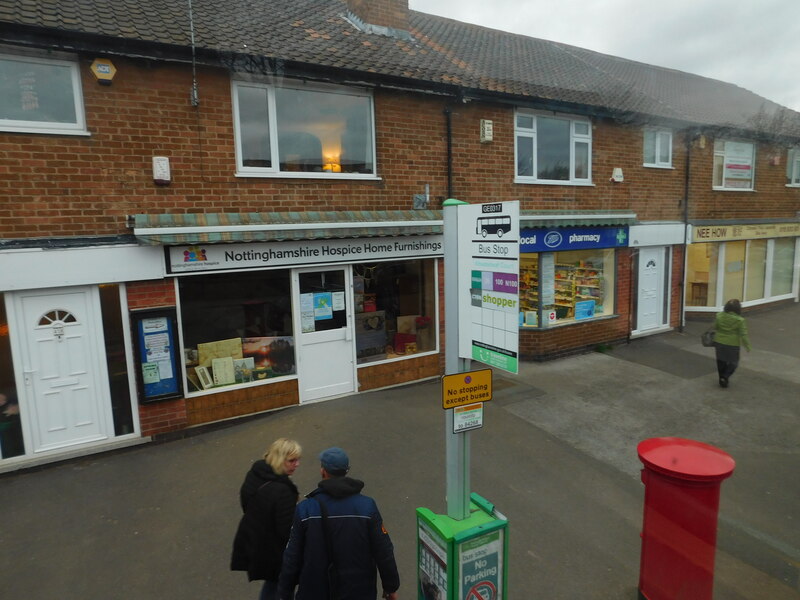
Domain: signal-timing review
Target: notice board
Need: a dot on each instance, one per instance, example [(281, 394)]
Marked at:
[(158, 372)]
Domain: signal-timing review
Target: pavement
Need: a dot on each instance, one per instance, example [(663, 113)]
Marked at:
[(556, 455)]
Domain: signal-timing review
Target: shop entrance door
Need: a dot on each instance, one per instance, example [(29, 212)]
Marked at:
[(324, 330), (64, 397), (650, 297)]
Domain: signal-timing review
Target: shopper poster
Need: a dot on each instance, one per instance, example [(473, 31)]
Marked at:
[(488, 266)]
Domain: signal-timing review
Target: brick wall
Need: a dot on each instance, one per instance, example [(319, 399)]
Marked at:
[(402, 371), (151, 294), (167, 415), (56, 186)]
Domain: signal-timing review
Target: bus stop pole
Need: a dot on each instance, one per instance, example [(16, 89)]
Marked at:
[(457, 444)]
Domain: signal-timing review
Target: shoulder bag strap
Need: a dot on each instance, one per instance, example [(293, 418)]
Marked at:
[(333, 575)]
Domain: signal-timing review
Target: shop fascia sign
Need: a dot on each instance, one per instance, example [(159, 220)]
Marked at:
[(207, 258), (755, 231), (559, 239)]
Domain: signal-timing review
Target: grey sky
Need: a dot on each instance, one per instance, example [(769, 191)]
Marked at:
[(755, 45)]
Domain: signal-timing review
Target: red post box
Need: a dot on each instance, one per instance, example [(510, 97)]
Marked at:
[(682, 480)]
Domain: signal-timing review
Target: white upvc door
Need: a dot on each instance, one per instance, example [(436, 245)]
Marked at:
[(60, 362), (326, 358), (650, 296)]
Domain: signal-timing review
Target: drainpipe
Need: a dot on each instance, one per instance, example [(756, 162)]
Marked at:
[(685, 230), (448, 121)]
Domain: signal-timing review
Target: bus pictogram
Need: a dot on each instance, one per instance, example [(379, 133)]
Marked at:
[(496, 224)]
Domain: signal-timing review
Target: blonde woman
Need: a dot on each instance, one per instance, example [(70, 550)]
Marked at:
[(268, 498)]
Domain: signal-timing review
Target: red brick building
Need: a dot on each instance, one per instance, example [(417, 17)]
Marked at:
[(205, 215)]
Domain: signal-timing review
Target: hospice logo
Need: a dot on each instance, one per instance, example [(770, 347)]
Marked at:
[(194, 254), (552, 239)]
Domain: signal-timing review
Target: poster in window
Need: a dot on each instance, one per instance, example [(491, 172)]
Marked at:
[(222, 369), (272, 356), (156, 354), (323, 306), (204, 377), (584, 309)]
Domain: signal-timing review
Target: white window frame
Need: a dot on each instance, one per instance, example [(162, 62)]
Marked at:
[(661, 162), (76, 128), (721, 151), (274, 170), (793, 167), (574, 139)]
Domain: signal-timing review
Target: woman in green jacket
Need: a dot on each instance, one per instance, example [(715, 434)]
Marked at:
[(730, 332)]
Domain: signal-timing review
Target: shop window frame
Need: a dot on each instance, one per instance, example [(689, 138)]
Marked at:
[(541, 311), (273, 134), (188, 392), (73, 96), (576, 137), (434, 323)]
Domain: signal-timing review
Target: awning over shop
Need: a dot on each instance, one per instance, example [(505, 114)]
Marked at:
[(220, 228), (575, 218)]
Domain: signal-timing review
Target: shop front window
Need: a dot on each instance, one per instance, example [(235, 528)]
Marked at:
[(11, 442), (237, 328), (782, 264), (570, 286), (733, 284), (701, 274), (756, 270), (395, 309)]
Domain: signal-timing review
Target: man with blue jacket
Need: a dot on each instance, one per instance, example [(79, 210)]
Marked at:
[(338, 540)]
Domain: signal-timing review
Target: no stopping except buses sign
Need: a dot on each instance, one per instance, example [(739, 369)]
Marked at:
[(466, 388)]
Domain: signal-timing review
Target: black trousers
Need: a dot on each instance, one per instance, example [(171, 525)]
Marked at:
[(727, 359)]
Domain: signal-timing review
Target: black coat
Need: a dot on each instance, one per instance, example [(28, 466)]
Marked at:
[(268, 502)]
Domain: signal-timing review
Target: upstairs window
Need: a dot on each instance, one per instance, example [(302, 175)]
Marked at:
[(39, 95), (734, 165), (658, 148), (793, 167), (303, 131), (553, 149)]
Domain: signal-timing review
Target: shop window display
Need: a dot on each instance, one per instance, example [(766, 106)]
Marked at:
[(395, 307), (573, 285), (701, 274), (237, 328)]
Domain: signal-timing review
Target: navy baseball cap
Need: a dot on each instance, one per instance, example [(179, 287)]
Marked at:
[(334, 460)]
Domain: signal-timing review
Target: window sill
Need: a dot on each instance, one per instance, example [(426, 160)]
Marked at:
[(665, 167), (567, 183), (309, 175), (559, 324), (793, 185), (390, 358), (238, 386), (46, 131), (722, 189)]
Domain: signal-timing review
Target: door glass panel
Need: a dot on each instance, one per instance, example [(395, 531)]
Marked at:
[(115, 359), (733, 284), (782, 266), (10, 425), (756, 269), (322, 300)]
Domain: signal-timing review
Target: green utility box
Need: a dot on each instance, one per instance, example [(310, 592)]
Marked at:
[(462, 560)]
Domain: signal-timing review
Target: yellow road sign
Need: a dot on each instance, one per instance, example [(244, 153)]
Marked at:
[(466, 388)]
